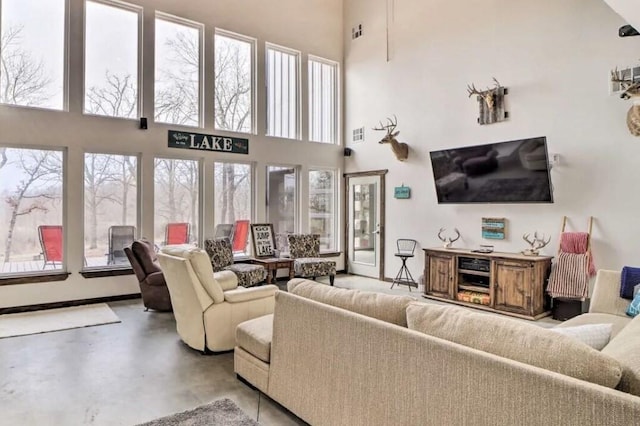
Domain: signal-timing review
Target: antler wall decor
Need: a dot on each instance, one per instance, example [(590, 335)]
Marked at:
[(536, 244), (631, 91), (491, 102), (448, 240), (400, 149)]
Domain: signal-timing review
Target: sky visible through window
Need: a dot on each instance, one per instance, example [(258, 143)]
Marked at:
[(33, 35)]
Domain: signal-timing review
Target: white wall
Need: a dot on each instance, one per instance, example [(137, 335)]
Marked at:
[(311, 26), (554, 57)]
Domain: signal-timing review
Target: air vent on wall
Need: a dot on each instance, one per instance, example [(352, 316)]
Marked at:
[(358, 134), (356, 32)]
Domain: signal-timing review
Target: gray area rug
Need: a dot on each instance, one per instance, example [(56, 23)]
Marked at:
[(220, 412)]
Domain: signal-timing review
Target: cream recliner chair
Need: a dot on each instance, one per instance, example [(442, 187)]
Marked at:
[(209, 306)]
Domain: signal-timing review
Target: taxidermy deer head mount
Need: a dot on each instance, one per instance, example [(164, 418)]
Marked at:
[(448, 240), (536, 244), (400, 149), (488, 95), (631, 91)]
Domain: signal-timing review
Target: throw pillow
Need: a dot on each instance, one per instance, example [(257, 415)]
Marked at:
[(595, 335), (634, 307)]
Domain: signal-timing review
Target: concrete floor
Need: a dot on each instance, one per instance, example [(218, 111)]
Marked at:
[(130, 372)]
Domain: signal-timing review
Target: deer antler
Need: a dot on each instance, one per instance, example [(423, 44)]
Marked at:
[(448, 240), (473, 91), (629, 86), (457, 235), (540, 241), (389, 128), (526, 238), (440, 236)]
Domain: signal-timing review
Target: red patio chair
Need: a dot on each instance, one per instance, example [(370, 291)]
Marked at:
[(51, 243), (176, 233), (240, 236)]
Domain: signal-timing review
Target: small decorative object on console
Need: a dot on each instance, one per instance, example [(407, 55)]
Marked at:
[(484, 248), (536, 244), (448, 240)]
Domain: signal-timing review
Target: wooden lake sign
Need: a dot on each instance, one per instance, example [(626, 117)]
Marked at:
[(202, 142)]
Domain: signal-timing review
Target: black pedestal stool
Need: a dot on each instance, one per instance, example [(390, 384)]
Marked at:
[(406, 248)]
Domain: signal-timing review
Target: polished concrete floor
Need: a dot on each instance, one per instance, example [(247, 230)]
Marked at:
[(128, 373)]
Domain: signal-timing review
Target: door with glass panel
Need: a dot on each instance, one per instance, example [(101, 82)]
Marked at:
[(365, 233)]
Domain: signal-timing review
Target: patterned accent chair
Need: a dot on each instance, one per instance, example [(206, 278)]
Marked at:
[(305, 250), (221, 255)]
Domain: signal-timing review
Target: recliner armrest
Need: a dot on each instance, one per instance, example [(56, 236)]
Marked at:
[(156, 279), (242, 294)]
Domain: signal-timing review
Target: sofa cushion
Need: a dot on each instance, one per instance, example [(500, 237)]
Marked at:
[(594, 335), (617, 322), (512, 339), (254, 336), (625, 348), (384, 307)]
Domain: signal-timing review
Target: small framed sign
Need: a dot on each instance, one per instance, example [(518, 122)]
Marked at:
[(494, 228), (402, 192), (263, 241)]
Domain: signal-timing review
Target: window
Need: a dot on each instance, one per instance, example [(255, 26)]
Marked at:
[(323, 100), (111, 59), (234, 77), (176, 201), (32, 53), (233, 197), (177, 73), (282, 198), (322, 207), (31, 210), (282, 92), (110, 208)]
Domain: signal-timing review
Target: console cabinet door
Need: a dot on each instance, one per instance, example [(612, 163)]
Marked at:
[(512, 286), (440, 275)]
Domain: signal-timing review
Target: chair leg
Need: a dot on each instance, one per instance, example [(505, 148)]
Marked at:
[(331, 279)]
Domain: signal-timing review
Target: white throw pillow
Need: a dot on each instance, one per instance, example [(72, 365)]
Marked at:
[(595, 335)]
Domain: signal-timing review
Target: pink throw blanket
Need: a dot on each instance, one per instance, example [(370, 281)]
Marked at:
[(577, 243)]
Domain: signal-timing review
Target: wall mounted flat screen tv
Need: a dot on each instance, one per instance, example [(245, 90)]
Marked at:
[(504, 172)]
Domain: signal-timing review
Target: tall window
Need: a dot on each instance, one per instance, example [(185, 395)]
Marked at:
[(32, 53), (177, 73), (282, 92), (322, 207), (323, 100), (176, 201), (111, 60), (110, 208), (234, 76), (282, 199), (31, 210)]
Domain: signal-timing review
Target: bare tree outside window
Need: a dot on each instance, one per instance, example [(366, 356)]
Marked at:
[(233, 84), (31, 190), (233, 192), (322, 207), (177, 74)]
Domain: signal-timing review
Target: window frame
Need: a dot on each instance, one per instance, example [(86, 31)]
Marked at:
[(336, 203), (298, 86), (201, 71), (65, 66), (139, 10), (108, 268), (336, 98), (50, 275), (253, 42)]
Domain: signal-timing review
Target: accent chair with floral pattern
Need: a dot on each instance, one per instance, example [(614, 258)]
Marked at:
[(221, 255), (305, 250)]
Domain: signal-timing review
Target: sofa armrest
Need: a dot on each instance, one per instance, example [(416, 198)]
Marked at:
[(606, 294), (242, 294)]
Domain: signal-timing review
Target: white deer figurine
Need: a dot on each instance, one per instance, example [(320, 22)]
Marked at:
[(400, 149)]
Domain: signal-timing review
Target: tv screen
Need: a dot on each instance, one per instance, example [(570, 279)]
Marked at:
[(505, 172)]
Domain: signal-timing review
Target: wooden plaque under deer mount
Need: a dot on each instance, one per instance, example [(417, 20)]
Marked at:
[(490, 102), (263, 241)]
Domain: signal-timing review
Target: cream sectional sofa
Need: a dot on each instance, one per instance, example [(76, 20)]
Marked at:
[(340, 357)]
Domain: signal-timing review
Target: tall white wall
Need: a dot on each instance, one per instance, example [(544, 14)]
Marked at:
[(311, 26), (554, 57)]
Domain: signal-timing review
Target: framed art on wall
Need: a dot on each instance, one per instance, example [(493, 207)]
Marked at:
[(263, 240)]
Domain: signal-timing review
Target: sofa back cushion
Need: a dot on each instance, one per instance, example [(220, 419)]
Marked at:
[(515, 340), (625, 348), (201, 265), (384, 307)]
